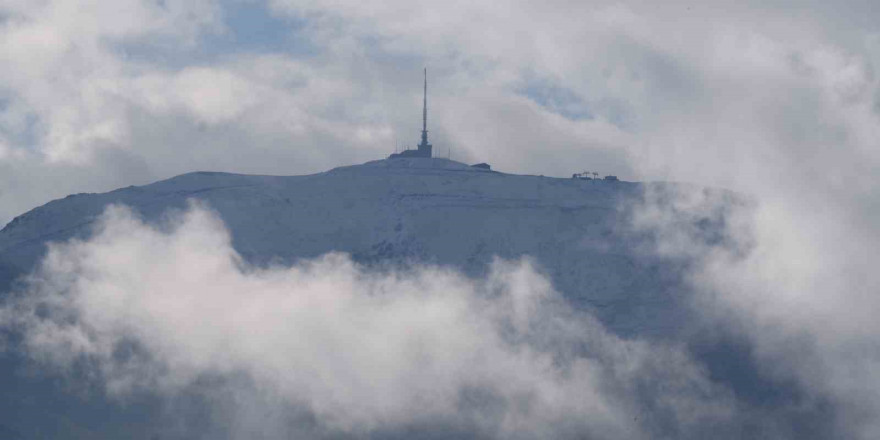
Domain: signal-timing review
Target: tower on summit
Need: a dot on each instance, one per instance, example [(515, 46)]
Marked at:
[(424, 148)]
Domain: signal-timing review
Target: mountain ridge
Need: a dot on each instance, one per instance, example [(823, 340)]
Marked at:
[(431, 211)]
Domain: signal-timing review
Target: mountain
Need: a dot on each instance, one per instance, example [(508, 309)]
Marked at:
[(403, 211), (394, 212)]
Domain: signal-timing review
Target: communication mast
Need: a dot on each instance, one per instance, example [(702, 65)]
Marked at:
[(424, 148)]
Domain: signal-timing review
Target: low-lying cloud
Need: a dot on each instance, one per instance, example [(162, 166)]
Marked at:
[(797, 283), (160, 308)]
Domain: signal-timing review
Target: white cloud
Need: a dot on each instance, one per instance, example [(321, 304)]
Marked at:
[(65, 69), (158, 308)]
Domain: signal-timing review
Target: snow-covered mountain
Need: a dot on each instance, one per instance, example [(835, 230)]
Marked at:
[(388, 212), (404, 211)]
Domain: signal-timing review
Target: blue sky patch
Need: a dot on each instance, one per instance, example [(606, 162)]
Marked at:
[(556, 99), (250, 28), (569, 104)]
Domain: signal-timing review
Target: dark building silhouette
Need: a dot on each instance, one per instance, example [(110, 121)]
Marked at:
[(424, 148)]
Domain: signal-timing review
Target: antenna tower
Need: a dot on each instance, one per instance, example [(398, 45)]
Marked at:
[(424, 146)]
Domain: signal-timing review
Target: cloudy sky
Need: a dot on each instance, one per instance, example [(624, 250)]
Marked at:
[(778, 100), (96, 95)]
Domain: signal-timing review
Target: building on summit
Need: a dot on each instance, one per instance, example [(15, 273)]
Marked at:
[(424, 148)]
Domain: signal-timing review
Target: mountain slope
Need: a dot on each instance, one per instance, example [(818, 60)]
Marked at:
[(402, 211), (385, 213)]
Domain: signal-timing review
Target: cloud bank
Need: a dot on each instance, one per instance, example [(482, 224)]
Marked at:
[(159, 309)]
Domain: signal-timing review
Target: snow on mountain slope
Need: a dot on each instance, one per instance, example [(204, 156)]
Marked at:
[(401, 211), (389, 212)]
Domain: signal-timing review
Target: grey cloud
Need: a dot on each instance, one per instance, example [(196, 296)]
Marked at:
[(796, 292)]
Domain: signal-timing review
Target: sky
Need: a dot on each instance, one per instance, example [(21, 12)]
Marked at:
[(98, 95), (777, 100)]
